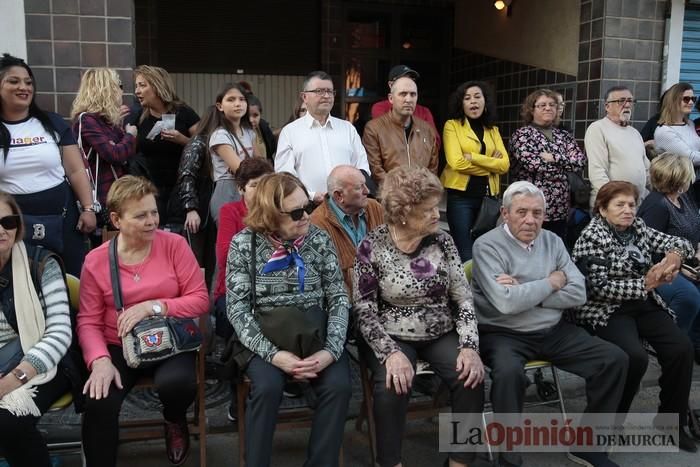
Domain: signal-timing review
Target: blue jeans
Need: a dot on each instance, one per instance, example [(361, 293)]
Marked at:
[(683, 297), (461, 214)]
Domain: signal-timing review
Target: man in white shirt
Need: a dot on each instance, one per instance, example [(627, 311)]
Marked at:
[(614, 148), (311, 146)]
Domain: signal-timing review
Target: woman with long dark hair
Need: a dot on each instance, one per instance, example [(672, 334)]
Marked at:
[(476, 159), (41, 167)]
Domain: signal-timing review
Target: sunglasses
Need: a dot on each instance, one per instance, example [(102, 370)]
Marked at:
[(297, 214), (689, 99), (10, 222)]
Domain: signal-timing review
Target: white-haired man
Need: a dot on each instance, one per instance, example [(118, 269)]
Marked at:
[(524, 279)]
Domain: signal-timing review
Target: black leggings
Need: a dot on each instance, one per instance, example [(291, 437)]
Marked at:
[(176, 384), (20, 441)]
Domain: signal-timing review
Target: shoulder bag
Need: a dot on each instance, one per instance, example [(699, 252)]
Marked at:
[(489, 212), (155, 338)]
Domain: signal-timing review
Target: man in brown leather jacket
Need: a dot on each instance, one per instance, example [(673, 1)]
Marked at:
[(398, 138)]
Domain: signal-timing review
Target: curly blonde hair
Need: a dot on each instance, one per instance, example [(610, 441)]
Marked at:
[(99, 93), (404, 188)]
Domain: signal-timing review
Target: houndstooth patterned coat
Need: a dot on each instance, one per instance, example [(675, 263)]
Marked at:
[(611, 277)]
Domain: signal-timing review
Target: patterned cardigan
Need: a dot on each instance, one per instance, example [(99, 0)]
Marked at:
[(323, 285), (526, 145), (613, 279)]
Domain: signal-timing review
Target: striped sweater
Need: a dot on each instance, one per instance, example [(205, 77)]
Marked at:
[(46, 353)]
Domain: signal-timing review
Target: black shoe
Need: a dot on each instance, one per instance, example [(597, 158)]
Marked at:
[(685, 442), (591, 459), (232, 413)]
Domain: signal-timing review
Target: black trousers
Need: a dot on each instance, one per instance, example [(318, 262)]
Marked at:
[(568, 347), (176, 383), (20, 441), (390, 408), (644, 319), (333, 389)]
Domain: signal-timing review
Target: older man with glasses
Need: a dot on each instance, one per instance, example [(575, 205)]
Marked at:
[(311, 146), (615, 148)]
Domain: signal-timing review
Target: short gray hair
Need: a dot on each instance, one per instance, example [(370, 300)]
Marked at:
[(521, 187)]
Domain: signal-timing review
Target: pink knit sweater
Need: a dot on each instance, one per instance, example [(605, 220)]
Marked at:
[(169, 274)]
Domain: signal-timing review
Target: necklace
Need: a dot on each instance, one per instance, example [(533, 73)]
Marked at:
[(412, 245), (139, 267)]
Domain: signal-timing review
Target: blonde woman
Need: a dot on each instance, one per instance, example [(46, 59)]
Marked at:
[(162, 147), (676, 133), (97, 125)]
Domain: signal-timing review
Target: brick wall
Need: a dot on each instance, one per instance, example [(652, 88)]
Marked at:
[(65, 37), (621, 43), (512, 83)]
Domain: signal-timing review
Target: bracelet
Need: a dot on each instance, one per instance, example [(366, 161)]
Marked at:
[(680, 254), (90, 208)]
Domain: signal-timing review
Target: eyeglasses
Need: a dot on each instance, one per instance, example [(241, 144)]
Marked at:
[(322, 92), (689, 99), (624, 101), (10, 222), (297, 214), (552, 105)]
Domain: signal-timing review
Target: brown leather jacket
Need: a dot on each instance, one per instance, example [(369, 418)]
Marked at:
[(387, 146), (324, 217)]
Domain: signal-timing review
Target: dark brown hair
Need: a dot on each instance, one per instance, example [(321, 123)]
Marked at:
[(611, 190), (252, 168), (528, 108)]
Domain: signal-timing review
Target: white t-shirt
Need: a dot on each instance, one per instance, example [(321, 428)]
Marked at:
[(34, 162), (222, 136)]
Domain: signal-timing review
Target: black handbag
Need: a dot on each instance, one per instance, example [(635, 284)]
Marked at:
[(489, 212), (10, 355), (156, 338)]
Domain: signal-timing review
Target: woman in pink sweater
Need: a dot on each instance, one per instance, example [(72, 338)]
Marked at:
[(159, 275)]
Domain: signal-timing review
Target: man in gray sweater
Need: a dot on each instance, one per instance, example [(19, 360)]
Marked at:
[(523, 281)]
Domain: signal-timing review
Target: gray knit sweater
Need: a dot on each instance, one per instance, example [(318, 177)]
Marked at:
[(53, 345), (533, 304)]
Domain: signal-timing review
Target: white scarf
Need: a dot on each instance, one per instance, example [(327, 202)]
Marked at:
[(31, 325)]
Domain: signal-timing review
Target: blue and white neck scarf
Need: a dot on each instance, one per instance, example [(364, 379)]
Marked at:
[(285, 255)]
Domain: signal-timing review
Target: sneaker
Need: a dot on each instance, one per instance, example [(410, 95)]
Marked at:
[(423, 368), (591, 459), (232, 413)]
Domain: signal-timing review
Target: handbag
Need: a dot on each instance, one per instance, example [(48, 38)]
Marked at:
[(489, 212), (10, 355), (296, 330), (45, 230), (155, 338)]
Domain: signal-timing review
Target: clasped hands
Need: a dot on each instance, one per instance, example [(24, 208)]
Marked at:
[(302, 368), (662, 272)]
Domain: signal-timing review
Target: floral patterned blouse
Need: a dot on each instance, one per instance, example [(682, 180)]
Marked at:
[(412, 297), (526, 145)]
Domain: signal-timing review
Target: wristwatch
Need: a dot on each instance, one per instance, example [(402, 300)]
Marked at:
[(157, 309), (20, 375)]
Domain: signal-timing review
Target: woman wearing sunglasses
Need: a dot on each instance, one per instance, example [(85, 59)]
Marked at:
[(676, 132), (35, 334), (291, 266)]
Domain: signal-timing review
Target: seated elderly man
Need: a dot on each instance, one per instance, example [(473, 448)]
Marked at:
[(523, 281), (347, 215)]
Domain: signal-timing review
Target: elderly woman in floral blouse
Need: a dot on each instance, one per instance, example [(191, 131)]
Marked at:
[(412, 301), (542, 154)]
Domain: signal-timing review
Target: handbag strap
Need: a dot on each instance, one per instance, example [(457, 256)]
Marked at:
[(114, 274), (245, 151), (252, 270)]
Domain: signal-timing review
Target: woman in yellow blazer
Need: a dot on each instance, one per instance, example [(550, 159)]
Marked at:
[(476, 158)]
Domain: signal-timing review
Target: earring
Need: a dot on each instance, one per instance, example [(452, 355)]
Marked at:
[(403, 222)]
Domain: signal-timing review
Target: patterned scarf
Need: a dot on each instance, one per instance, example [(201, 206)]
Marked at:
[(285, 255)]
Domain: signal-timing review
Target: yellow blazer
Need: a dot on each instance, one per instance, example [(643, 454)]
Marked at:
[(459, 138)]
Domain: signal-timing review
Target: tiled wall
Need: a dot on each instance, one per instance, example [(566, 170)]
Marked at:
[(512, 83), (66, 36), (621, 43)]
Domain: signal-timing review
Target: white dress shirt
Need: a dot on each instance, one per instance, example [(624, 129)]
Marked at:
[(310, 150)]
